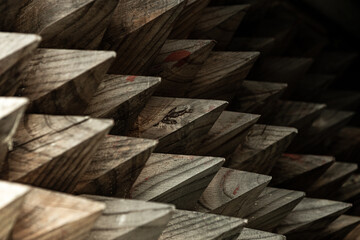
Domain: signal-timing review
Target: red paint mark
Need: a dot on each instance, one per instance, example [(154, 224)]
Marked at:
[(236, 190), (146, 179), (130, 78), (179, 57), (292, 156)]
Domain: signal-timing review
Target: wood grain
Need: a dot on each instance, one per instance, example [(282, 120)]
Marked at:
[(175, 179), (63, 81), (9, 9), (339, 228), (263, 45), (252, 234), (350, 190)]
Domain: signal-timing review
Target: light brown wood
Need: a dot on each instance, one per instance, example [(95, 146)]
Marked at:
[(63, 81), (232, 192), (175, 179), (115, 166), (137, 31), (54, 151), (339, 228), (350, 190), (16, 51), (263, 45), (252, 234), (130, 219)]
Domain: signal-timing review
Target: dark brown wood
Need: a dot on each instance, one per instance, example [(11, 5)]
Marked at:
[(339, 228), (350, 190), (252, 234), (342, 100), (263, 45), (333, 62), (9, 9)]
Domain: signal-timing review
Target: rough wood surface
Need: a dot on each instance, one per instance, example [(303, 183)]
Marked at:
[(63, 81), (339, 228), (350, 190), (263, 45), (232, 192), (16, 51), (130, 219), (121, 98), (252, 234), (115, 166), (9, 9), (175, 179)]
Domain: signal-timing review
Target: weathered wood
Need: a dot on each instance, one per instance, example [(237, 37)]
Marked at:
[(51, 216), (137, 31), (121, 98), (354, 235), (115, 166), (175, 179), (232, 193), (202, 226), (309, 217), (339, 228), (11, 201), (272, 206), (263, 146), (178, 63), (350, 190), (294, 171), (16, 51), (54, 151), (219, 23), (130, 219), (178, 123), (63, 81), (263, 45), (252, 234), (9, 9)]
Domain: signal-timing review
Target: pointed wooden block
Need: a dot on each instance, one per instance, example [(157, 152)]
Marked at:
[(263, 146), (66, 24), (332, 62), (252, 234), (63, 81), (175, 179), (137, 31), (227, 133), (342, 100), (220, 72), (16, 50), (350, 190), (121, 98), (115, 166), (178, 63), (190, 15), (54, 151), (339, 228), (263, 45), (331, 180), (271, 207), (346, 144), (310, 216), (232, 192), (202, 226), (139, 220), (49, 215), (178, 123), (294, 171), (219, 23), (11, 201)]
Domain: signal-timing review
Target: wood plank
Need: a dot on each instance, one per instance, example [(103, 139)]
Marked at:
[(178, 63), (49, 215), (115, 166), (175, 179), (252, 234), (66, 24), (49, 154), (202, 226), (16, 51), (9, 9), (232, 192), (178, 123), (63, 81), (139, 220), (261, 44), (339, 228), (11, 201), (350, 190), (121, 98), (137, 31), (272, 206), (263, 146)]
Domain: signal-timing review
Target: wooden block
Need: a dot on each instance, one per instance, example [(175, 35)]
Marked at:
[(342, 100), (252, 234), (178, 123), (9, 9), (263, 146), (260, 44), (219, 23), (54, 151), (309, 217), (122, 98), (63, 81), (272, 206), (350, 190), (16, 51), (178, 63), (49, 215), (334, 177), (11, 201), (232, 192), (293, 171), (137, 31), (190, 15), (139, 220), (115, 166), (339, 228), (226, 134), (175, 179), (333, 62), (202, 226), (220, 72)]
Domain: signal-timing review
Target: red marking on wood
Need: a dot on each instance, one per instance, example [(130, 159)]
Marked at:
[(179, 57), (236, 190), (292, 156), (223, 180), (212, 107), (146, 179), (130, 78)]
